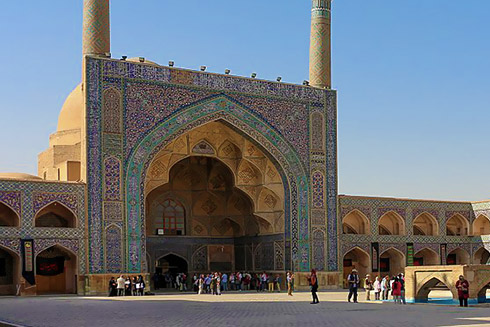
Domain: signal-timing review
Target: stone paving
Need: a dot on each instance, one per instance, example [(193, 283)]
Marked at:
[(231, 309)]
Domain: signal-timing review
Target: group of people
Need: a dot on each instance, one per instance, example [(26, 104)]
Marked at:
[(128, 286), (218, 282), (168, 280), (393, 286)]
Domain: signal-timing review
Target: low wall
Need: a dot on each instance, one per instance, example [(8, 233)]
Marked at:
[(326, 280)]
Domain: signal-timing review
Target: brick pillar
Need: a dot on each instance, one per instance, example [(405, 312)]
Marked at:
[(96, 27), (320, 44)]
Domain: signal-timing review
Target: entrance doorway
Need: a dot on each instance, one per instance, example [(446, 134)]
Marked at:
[(167, 268), (56, 270)]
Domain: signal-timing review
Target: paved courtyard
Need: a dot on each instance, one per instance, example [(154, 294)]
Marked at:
[(232, 309)]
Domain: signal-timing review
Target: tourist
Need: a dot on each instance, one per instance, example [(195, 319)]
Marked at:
[(385, 287), (313, 281), (258, 282), (463, 287), (270, 281), (353, 280), (112, 287), (134, 289), (141, 284), (377, 289), (156, 280), (127, 287), (218, 283), (277, 281), (195, 283), (396, 290), (263, 281), (401, 279), (232, 281), (238, 281), (207, 282), (120, 285), (290, 282), (224, 282), (368, 285)]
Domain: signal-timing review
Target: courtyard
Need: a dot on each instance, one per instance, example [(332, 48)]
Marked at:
[(230, 309)]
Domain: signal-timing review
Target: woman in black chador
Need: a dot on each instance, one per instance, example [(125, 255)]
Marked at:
[(112, 287)]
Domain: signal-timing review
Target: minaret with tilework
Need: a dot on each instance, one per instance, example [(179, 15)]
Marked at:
[(320, 44), (96, 27)]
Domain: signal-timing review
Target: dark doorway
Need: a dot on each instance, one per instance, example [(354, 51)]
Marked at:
[(384, 264), (168, 267)]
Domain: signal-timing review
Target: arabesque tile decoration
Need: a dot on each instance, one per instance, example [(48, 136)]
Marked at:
[(161, 103)]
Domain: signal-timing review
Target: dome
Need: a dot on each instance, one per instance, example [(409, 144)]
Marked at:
[(71, 114), (19, 176), (137, 59)]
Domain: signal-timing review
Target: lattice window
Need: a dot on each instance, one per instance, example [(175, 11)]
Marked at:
[(173, 222)]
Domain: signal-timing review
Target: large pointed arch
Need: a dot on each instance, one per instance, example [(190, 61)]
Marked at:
[(356, 222), (391, 223), (425, 224), (481, 225), (256, 130), (55, 212), (12, 271)]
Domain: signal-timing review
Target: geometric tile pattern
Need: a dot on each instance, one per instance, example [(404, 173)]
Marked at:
[(96, 29), (320, 44)]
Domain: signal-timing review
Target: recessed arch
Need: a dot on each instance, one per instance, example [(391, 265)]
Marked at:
[(56, 270), (425, 224), (55, 215), (172, 263), (481, 257), (391, 223), (458, 256), (8, 216), (392, 261), (481, 226), (422, 294), (356, 222), (457, 225), (10, 270), (356, 258), (426, 257)]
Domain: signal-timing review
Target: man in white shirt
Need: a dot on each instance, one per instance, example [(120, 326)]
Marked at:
[(120, 285)]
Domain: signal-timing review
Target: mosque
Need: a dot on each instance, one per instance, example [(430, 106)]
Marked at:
[(155, 167)]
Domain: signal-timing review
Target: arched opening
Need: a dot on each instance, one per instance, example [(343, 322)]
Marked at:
[(458, 257), (356, 259), (426, 257), (8, 217), (9, 271), (481, 226), (56, 271), (425, 224), (457, 225), (435, 290), (391, 224), (355, 222), (484, 293), (392, 262), (481, 257), (55, 215), (168, 267)]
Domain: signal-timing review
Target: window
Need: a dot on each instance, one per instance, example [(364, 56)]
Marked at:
[(173, 218)]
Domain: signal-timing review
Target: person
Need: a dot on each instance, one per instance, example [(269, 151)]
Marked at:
[(397, 290), (290, 281), (224, 282), (200, 284), (134, 288), (385, 289), (463, 286), (156, 280), (112, 287), (377, 289), (141, 283), (127, 286), (401, 279), (232, 281), (195, 283), (353, 280), (368, 285), (218, 283), (313, 281), (278, 283), (263, 281), (207, 282), (271, 283), (120, 285)]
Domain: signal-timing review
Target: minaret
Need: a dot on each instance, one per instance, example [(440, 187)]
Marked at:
[(320, 44), (96, 27)]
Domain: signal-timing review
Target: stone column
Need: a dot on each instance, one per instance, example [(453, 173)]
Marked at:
[(96, 27), (320, 44)]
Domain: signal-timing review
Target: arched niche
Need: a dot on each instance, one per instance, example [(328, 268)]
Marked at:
[(425, 224), (355, 222), (55, 215), (56, 271), (391, 223), (392, 262), (423, 292), (356, 259), (481, 257), (172, 264), (8, 217), (481, 226), (426, 257), (458, 256), (457, 225), (9, 271)]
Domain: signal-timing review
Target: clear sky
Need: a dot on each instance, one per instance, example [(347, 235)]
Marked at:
[(413, 77)]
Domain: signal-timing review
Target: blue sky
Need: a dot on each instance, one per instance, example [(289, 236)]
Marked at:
[(412, 76)]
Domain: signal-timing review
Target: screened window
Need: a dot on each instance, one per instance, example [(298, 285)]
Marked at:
[(173, 218)]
